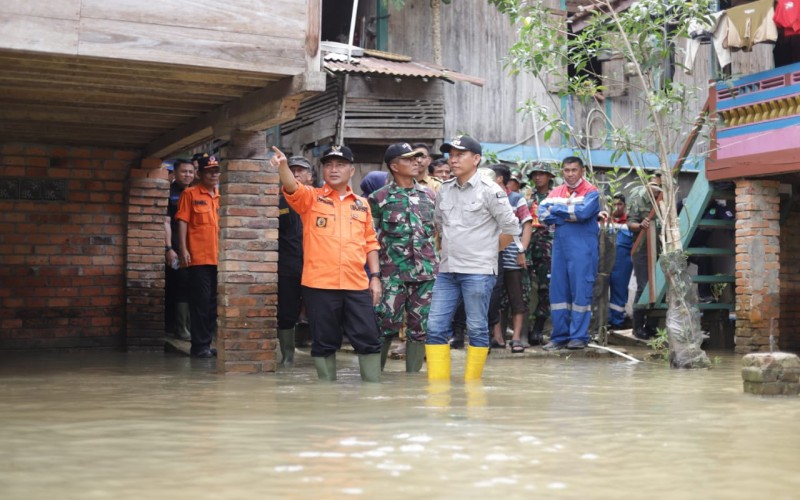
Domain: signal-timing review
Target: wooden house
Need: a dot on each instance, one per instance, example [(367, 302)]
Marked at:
[(95, 93), (372, 99)]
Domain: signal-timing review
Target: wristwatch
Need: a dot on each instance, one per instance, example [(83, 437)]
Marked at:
[(167, 248)]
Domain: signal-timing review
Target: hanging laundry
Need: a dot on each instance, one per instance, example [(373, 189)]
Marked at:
[(787, 16), (749, 24), (701, 32)]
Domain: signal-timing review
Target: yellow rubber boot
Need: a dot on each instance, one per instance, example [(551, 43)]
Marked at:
[(438, 361), (476, 358)]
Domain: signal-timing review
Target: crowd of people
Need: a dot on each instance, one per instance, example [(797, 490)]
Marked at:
[(436, 251)]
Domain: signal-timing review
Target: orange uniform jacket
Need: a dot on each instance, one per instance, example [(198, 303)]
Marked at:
[(337, 235), (199, 209)]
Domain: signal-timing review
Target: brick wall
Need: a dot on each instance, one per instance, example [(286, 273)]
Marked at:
[(790, 281), (147, 192), (62, 261), (757, 264)]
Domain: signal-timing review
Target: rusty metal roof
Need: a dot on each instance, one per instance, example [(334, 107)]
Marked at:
[(374, 62)]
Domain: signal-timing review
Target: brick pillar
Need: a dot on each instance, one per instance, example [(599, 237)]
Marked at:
[(147, 190), (757, 264), (248, 260)]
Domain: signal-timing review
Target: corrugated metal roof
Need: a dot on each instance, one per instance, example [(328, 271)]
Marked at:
[(388, 64)]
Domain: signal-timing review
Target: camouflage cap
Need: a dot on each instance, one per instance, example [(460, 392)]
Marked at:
[(539, 166)]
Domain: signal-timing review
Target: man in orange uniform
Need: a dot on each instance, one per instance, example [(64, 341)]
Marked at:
[(198, 234), (338, 237)]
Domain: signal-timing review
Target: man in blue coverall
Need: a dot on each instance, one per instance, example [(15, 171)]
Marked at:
[(573, 208), (623, 265)]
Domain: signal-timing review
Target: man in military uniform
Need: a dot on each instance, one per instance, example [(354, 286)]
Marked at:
[(640, 218), (403, 215), (539, 254), (424, 176)]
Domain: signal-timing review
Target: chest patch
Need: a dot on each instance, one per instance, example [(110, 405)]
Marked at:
[(322, 222)]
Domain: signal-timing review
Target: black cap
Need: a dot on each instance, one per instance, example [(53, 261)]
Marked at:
[(462, 143), (337, 152), (299, 161), (619, 196), (400, 150), (207, 161)]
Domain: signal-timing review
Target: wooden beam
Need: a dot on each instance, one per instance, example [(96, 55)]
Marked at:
[(259, 110), (313, 34)]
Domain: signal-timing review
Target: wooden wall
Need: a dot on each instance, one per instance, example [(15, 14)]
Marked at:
[(475, 39), (264, 36)]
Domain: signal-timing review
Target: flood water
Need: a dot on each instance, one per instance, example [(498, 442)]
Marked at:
[(148, 425)]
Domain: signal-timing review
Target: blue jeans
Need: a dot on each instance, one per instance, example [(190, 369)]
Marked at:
[(449, 289)]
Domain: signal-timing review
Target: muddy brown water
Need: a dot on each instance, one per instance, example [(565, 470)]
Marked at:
[(148, 425)]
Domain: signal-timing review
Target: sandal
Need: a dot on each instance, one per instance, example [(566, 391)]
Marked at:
[(496, 345), (517, 347)]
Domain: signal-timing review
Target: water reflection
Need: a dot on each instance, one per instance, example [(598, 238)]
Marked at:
[(96, 425)]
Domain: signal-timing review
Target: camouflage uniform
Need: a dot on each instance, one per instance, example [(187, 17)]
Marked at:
[(640, 209), (539, 257), (409, 262)]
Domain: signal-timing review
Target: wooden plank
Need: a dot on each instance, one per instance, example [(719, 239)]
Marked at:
[(61, 9), (380, 87), (57, 96), (258, 110), (313, 35), (191, 46), (80, 116), (714, 278), (276, 18), (133, 113), (700, 251), (392, 134), (126, 69), (39, 34), (120, 84)]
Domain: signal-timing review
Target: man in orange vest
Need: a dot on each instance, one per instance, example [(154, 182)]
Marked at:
[(338, 237), (198, 234)]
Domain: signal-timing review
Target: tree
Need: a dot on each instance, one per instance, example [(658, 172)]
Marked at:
[(645, 36)]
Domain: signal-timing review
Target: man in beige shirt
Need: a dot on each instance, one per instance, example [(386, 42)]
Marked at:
[(475, 221)]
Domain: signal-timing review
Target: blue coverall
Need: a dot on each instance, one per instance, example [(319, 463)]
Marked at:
[(620, 275), (574, 264)]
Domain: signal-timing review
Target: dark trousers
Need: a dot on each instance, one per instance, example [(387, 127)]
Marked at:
[(332, 313), (642, 276), (202, 306), (176, 290), (169, 299), (289, 296)]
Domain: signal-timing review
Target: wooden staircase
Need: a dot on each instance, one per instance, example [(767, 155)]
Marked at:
[(691, 219)]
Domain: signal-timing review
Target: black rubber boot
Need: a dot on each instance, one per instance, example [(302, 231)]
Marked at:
[(639, 330), (535, 334)]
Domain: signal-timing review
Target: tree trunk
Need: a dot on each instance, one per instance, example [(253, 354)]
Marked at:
[(683, 316)]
